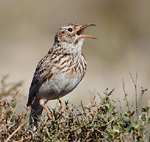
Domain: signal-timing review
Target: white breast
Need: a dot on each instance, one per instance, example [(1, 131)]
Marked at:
[(57, 87)]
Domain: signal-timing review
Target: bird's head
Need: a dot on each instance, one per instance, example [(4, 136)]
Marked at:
[(72, 33)]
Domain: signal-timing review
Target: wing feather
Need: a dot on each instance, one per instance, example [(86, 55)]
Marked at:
[(41, 74)]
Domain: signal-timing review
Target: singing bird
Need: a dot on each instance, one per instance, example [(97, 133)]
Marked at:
[(60, 71)]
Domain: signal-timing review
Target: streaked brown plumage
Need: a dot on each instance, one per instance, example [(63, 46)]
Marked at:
[(60, 71)]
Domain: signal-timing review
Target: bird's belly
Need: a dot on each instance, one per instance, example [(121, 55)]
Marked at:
[(57, 87)]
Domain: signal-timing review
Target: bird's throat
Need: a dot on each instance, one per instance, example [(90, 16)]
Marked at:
[(74, 48)]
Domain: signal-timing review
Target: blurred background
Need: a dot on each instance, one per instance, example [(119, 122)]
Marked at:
[(27, 30)]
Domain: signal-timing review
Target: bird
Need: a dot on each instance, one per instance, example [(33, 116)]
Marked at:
[(60, 70)]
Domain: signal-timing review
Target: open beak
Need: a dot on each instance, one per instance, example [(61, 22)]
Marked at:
[(80, 31)]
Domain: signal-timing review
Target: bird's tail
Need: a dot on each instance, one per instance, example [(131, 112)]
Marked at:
[(36, 111)]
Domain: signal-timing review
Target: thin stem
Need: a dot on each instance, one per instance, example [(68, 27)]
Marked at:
[(125, 94), (136, 95)]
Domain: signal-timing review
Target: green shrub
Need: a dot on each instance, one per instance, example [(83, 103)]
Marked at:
[(98, 121)]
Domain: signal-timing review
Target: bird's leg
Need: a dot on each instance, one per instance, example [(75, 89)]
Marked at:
[(62, 105), (44, 107), (47, 111)]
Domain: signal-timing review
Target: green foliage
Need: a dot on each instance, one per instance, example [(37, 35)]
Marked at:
[(98, 121)]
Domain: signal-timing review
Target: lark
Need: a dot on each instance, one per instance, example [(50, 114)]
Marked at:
[(60, 71)]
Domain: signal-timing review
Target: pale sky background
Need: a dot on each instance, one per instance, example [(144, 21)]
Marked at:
[(27, 30)]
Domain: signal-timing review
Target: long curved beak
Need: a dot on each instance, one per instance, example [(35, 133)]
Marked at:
[(81, 30)]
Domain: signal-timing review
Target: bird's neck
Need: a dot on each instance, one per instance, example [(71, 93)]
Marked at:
[(74, 48)]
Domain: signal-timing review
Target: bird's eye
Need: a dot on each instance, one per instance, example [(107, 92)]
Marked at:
[(70, 29)]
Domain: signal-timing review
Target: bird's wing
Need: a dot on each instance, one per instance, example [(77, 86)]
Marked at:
[(43, 71)]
